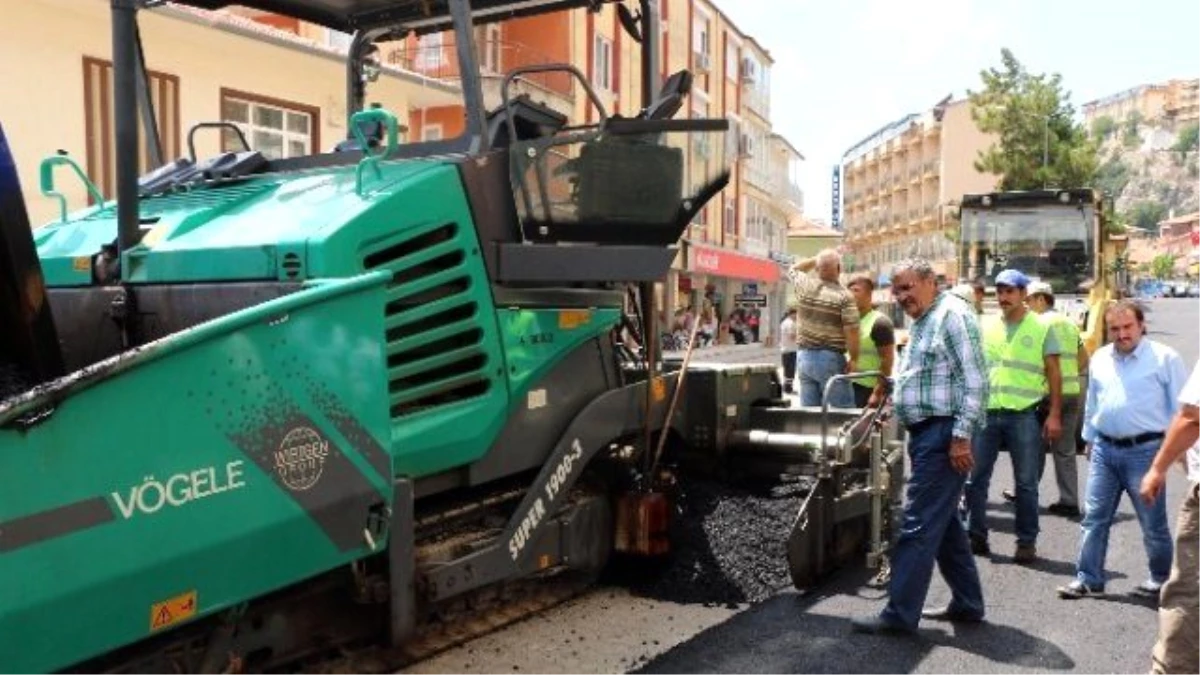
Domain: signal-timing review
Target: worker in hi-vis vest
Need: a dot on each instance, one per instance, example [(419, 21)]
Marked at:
[(1073, 362), (876, 342), (1023, 370)]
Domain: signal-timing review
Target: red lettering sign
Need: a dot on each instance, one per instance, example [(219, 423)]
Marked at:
[(735, 265)]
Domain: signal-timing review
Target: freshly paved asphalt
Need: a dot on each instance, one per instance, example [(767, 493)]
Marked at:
[(1028, 628)]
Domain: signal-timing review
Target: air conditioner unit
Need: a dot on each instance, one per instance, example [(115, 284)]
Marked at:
[(749, 71), (701, 62), (745, 146)]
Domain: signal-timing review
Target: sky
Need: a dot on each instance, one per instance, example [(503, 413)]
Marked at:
[(844, 68)]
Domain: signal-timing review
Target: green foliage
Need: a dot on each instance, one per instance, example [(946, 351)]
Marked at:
[(1162, 266), (1115, 222), (1103, 127), (1146, 215), (1027, 112), (1112, 177), (1188, 138)]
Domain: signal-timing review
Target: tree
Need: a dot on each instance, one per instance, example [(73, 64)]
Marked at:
[(1031, 117), (1162, 266), (1187, 139), (1146, 215), (1102, 127)]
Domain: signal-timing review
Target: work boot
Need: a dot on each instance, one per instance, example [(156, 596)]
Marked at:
[(979, 546), (1009, 495), (1064, 510), (876, 625), (1025, 554)]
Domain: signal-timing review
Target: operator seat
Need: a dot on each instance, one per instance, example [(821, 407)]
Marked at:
[(670, 98), (531, 120)]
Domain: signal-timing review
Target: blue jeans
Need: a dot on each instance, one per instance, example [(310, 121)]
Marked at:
[(1020, 433), (1112, 471), (931, 532), (814, 368)]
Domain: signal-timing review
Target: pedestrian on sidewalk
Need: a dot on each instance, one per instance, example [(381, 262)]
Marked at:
[(876, 342), (1023, 369), (940, 397), (1177, 649), (1133, 391), (1073, 361), (828, 330), (787, 348)]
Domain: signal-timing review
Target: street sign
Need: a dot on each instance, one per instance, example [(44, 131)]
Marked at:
[(749, 299)]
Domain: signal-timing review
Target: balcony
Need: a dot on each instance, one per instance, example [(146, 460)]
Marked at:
[(756, 100), (439, 61), (930, 167)]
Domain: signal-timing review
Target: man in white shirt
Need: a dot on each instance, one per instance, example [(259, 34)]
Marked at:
[(787, 348), (1178, 649)]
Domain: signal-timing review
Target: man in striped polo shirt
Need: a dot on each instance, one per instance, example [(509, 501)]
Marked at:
[(828, 330), (940, 397)]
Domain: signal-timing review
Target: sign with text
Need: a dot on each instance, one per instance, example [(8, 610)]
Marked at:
[(729, 264)]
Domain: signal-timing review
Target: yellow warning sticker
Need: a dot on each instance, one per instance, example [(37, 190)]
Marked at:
[(173, 610), (658, 389), (573, 318), (81, 263)]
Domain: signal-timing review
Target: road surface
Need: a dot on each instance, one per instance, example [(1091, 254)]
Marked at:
[(1029, 629)]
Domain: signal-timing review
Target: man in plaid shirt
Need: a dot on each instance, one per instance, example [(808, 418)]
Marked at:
[(941, 398)]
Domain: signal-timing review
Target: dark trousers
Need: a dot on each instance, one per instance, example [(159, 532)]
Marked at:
[(931, 531), (862, 395), (789, 370)]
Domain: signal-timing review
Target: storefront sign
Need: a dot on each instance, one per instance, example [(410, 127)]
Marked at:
[(751, 300), (733, 265)]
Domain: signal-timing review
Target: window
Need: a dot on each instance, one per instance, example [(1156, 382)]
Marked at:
[(602, 63), (489, 47), (431, 132), (338, 40), (732, 62), (730, 216), (99, 129), (700, 34), (429, 52), (278, 129)]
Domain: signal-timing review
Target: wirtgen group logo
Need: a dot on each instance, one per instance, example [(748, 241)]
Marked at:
[(301, 458)]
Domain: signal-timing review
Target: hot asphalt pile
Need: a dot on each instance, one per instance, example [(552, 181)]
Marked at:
[(728, 544)]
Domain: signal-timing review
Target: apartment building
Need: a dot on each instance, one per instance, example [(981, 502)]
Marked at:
[(735, 249), (1174, 101), (900, 184), (203, 67), (241, 66)]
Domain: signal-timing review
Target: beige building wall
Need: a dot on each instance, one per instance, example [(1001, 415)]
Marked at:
[(1172, 101), (43, 44), (899, 190)]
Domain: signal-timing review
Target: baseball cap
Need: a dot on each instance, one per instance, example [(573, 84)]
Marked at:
[(1042, 288), (1011, 277)]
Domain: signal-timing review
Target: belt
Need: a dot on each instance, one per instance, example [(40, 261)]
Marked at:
[(1131, 441), (921, 425)]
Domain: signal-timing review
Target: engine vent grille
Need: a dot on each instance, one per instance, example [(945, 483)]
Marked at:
[(435, 348)]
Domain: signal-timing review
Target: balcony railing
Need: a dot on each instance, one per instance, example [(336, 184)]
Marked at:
[(440, 62), (757, 101)]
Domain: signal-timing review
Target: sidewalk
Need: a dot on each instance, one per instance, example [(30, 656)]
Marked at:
[(755, 351)]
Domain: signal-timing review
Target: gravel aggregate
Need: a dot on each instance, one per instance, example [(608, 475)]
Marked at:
[(728, 545)]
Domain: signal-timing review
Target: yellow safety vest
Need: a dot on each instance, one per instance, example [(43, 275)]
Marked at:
[(868, 352), (1068, 341), (1016, 369)]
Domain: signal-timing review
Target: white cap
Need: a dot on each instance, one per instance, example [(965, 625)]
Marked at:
[(1040, 287)]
